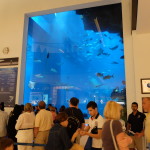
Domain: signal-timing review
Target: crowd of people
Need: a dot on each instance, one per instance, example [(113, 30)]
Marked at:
[(39, 128)]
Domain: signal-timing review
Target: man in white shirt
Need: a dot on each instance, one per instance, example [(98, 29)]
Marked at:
[(3, 123), (146, 108), (95, 126), (43, 123)]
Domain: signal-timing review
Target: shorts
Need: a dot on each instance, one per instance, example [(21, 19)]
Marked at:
[(137, 142)]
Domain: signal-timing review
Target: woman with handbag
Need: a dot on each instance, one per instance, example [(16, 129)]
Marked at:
[(113, 136)]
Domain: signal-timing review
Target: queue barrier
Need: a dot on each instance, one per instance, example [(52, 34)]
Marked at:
[(35, 144), (30, 144)]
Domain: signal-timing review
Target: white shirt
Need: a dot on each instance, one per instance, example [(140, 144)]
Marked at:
[(25, 120), (96, 143), (3, 123), (44, 120), (147, 127)]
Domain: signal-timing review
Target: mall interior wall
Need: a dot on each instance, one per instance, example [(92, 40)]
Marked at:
[(141, 52), (13, 30)]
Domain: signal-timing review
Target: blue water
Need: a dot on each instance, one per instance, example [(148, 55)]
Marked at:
[(64, 60)]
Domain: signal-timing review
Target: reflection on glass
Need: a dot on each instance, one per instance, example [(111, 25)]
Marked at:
[(76, 53)]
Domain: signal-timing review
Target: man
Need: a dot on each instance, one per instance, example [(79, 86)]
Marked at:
[(94, 130), (49, 107), (43, 123), (146, 108), (3, 122), (74, 111), (135, 125)]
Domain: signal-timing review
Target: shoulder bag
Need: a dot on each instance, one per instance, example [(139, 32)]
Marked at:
[(114, 141)]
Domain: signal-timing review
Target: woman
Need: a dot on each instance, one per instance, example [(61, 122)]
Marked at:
[(24, 125), (112, 113), (11, 131), (53, 111), (58, 137)]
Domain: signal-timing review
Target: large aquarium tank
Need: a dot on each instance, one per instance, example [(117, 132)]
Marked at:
[(78, 53)]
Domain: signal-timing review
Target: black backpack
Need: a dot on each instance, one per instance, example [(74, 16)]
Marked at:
[(73, 124)]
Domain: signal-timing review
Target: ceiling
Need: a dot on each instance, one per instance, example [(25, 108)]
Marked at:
[(143, 16)]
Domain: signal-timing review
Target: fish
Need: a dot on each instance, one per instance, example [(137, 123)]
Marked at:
[(31, 85), (99, 74), (39, 76), (100, 52), (59, 64), (105, 34), (81, 16), (37, 60), (80, 47), (114, 48), (122, 57), (108, 77), (47, 55), (61, 51), (53, 70), (101, 41), (99, 85), (89, 54), (114, 62), (106, 54)]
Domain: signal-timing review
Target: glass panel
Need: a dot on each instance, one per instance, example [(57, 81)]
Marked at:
[(77, 53)]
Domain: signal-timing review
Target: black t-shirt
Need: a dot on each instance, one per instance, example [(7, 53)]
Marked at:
[(136, 121), (71, 111)]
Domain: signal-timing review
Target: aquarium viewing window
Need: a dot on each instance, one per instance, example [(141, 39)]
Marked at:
[(78, 53)]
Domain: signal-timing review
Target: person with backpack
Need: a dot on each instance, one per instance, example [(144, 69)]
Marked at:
[(75, 117), (94, 128)]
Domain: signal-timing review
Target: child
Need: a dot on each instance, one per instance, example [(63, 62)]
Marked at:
[(6, 144)]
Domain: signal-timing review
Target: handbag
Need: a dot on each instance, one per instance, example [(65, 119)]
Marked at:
[(114, 141), (123, 143), (94, 130)]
